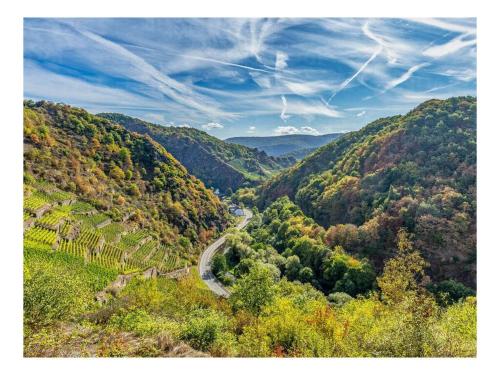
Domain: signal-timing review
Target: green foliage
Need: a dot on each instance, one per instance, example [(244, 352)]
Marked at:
[(218, 164), (284, 237), (450, 291), (416, 171), (246, 196), (254, 291), (119, 172), (204, 329), (141, 322), (219, 264), (339, 298), (58, 286)]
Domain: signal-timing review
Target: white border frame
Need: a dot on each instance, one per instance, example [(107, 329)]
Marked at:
[(11, 157)]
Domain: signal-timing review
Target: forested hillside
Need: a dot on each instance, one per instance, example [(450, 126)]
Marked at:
[(296, 145), (416, 171), (217, 163), (125, 175)]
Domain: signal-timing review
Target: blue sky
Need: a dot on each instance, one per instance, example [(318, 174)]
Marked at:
[(242, 77)]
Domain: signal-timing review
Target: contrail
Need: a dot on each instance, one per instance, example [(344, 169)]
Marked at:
[(347, 81)]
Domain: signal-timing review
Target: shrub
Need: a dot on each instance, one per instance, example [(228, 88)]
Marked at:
[(203, 328), (339, 298)]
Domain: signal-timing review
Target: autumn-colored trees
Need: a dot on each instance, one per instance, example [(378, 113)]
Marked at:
[(117, 171), (416, 171)]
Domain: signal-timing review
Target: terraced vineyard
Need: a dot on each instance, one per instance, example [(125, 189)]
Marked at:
[(41, 235), (134, 238), (54, 218), (91, 221), (34, 203), (64, 224), (112, 232)]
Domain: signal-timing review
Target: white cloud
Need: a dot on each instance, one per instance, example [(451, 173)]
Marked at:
[(264, 81), (404, 77), (251, 129), (302, 108), (385, 45), (444, 24), (344, 84), (306, 88), (128, 63), (287, 130), (212, 125), (280, 63), (183, 126), (452, 46), (155, 117), (283, 114), (360, 114), (464, 75), (309, 130)]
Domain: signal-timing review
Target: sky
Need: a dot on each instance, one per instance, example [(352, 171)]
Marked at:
[(250, 77)]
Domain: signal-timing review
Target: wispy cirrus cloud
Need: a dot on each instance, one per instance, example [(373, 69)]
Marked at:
[(280, 63), (404, 77), (258, 71), (283, 114)]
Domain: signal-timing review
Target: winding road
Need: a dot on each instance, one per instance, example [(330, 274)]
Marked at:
[(206, 258)]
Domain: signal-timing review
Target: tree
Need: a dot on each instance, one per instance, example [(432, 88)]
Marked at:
[(306, 274), (401, 273), (292, 267), (117, 173), (219, 264), (255, 290), (339, 299)]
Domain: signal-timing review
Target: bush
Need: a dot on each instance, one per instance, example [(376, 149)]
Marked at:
[(339, 299), (203, 328), (255, 290), (142, 323)]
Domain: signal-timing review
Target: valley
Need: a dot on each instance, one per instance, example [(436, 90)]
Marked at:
[(297, 146), (365, 247), (220, 165)]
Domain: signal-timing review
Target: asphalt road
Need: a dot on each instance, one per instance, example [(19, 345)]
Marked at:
[(206, 258)]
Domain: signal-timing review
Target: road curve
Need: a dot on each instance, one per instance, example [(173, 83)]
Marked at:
[(206, 258)]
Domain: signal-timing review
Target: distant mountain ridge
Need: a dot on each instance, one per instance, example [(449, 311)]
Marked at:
[(220, 165), (296, 145)]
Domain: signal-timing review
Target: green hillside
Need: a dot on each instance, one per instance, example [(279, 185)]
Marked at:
[(217, 163), (416, 171), (125, 176), (102, 203), (62, 223)]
